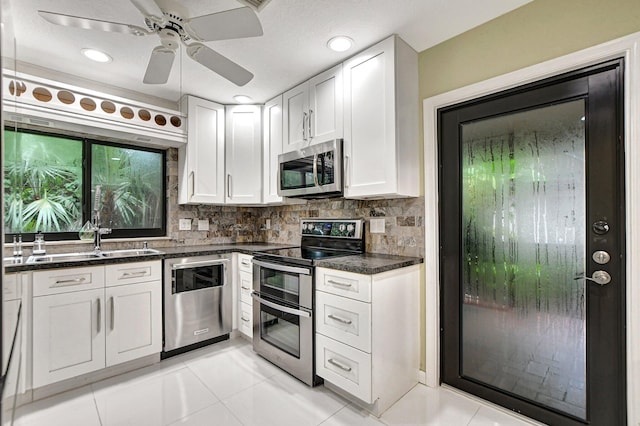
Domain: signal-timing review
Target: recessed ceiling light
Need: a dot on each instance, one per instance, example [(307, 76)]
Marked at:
[(96, 55), (243, 99), (340, 43)]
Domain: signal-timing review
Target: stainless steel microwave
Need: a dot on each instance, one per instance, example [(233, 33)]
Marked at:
[(311, 172)]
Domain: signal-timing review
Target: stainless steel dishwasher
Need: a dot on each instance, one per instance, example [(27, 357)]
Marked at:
[(197, 302)]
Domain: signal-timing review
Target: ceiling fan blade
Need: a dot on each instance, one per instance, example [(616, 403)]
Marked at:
[(149, 8), (159, 65), (235, 23), (91, 24), (219, 64)]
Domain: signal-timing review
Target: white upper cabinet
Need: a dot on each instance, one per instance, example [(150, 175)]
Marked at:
[(313, 111), (201, 178), (272, 147), (381, 122), (243, 154)]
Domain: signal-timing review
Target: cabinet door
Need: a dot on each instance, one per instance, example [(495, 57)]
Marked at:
[(134, 325), (201, 160), (326, 106), (295, 104), (68, 335), (272, 147), (369, 146), (243, 154)]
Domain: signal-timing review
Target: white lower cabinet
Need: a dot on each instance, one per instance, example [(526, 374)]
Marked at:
[(135, 321), (78, 328), (367, 334), (68, 335), (245, 287)]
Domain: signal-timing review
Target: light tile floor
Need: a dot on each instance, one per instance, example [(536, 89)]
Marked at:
[(227, 384)]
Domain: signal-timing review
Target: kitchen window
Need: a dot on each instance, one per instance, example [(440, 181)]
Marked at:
[(50, 179)]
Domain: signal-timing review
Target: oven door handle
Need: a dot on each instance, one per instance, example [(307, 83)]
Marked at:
[(298, 312), (282, 268), (198, 264)]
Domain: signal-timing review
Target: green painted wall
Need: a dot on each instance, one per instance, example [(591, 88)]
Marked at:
[(534, 33)]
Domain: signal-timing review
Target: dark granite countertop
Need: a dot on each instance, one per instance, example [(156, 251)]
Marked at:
[(165, 253), (369, 263)]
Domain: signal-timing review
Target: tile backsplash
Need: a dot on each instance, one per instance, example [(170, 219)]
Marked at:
[(404, 221)]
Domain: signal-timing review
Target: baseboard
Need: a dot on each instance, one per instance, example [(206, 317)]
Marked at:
[(422, 377)]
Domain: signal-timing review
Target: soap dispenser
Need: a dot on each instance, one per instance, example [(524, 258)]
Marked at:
[(38, 245)]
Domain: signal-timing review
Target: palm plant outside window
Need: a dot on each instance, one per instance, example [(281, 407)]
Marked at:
[(49, 182)]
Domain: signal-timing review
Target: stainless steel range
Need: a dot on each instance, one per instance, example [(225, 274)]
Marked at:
[(283, 293)]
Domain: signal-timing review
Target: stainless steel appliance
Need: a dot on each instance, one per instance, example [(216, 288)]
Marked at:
[(283, 293), (197, 302), (311, 172)]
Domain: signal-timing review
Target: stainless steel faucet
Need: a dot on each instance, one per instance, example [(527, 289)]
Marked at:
[(98, 230)]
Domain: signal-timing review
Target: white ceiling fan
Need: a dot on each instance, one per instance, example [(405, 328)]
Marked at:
[(173, 29)]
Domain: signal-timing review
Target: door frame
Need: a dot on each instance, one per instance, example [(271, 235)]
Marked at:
[(626, 47)]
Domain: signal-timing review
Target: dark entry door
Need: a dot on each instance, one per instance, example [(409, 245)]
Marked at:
[(532, 248)]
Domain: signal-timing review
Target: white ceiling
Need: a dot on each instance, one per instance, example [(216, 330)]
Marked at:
[(292, 49)]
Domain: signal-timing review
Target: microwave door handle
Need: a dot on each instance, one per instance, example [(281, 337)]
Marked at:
[(298, 312), (315, 170), (282, 268)]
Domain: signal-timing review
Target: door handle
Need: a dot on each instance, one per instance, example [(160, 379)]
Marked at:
[(347, 178), (315, 170), (229, 186), (310, 124), (281, 308), (598, 277), (113, 313), (99, 315), (193, 183), (304, 126)]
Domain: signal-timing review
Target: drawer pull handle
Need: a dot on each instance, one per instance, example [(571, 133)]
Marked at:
[(132, 274), (339, 365), (342, 320), (244, 319), (245, 263), (71, 281), (246, 288), (339, 283)]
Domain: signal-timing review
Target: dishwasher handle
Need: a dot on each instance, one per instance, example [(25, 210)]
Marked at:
[(199, 263)]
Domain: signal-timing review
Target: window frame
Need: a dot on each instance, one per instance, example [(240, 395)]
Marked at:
[(86, 207)]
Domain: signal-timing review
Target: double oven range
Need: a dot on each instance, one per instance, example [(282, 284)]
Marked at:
[(283, 293)]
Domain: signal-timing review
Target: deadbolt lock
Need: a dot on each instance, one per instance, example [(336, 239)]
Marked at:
[(601, 257)]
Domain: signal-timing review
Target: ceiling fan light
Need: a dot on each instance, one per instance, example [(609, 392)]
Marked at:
[(340, 43), (96, 55), (243, 99)]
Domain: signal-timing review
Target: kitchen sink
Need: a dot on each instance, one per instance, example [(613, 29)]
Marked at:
[(62, 257), (129, 252), (70, 257)]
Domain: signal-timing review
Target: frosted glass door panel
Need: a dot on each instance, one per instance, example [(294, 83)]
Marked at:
[(523, 246)]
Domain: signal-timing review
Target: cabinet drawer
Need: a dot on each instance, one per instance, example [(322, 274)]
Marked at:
[(246, 319), (345, 320), (347, 284), (344, 366), (55, 281), (135, 272), (244, 263), (246, 285)]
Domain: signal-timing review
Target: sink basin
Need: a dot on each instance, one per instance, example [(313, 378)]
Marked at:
[(129, 252), (70, 257), (62, 257)]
